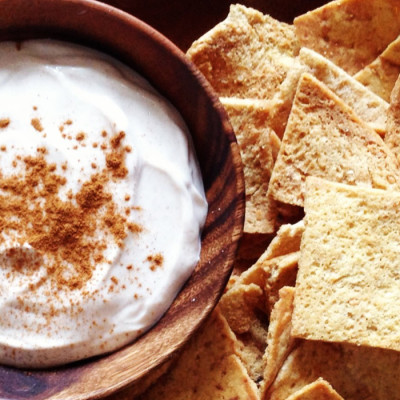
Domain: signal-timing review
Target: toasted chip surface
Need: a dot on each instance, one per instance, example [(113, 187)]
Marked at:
[(318, 390), (325, 138), (348, 283), (249, 119), (392, 138), (366, 104), (247, 55), (280, 341), (286, 241), (208, 368), (280, 272), (354, 372), (351, 33), (381, 75)]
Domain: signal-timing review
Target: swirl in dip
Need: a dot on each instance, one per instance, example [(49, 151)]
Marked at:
[(101, 202)]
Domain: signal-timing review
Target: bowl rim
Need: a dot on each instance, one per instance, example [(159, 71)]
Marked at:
[(113, 14)]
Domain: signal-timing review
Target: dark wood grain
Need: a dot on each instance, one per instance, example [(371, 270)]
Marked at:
[(141, 47)]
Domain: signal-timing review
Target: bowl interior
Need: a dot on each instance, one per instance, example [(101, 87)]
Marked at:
[(133, 42)]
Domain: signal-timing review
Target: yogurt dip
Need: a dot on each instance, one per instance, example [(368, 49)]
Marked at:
[(101, 201)]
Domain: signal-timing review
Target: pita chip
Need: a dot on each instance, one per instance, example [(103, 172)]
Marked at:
[(239, 305), (279, 340), (280, 272), (354, 372), (348, 282), (381, 75), (318, 390), (208, 368), (392, 138), (286, 241), (325, 138), (365, 103), (249, 119), (247, 55), (351, 33)]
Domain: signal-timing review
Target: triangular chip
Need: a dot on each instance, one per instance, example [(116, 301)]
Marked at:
[(381, 75), (325, 138), (348, 283), (248, 55), (208, 368), (286, 241), (318, 390), (351, 33), (392, 138), (239, 305), (280, 271), (249, 119), (354, 372), (366, 104), (280, 341)]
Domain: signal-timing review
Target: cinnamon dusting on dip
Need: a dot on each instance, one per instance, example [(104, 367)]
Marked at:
[(66, 231), (4, 122), (85, 202), (35, 122), (156, 261)]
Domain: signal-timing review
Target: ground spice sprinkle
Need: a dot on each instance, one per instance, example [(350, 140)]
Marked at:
[(65, 232)]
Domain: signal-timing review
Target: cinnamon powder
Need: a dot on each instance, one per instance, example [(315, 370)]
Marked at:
[(4, 122), (65, 232)]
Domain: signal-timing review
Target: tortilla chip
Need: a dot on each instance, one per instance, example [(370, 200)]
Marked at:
[(279, 340), (381, 75), (325, 138), (247, 55), (392, 138), (348, 286), (208, 368), (318, 390), (249, 119), (351, 33)]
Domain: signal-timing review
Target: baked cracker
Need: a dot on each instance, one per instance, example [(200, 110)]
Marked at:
[(243, 306), (286, 241), (348, 282), (249, 119), (318, 390), (279, 340), (365, 103), (208, 368), (354, 372), (280, 271), (325, 138), (351, 33), (392, 138), (247, 55), (381, 75)]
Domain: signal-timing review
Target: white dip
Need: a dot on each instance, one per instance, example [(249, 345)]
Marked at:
[(101, 204)]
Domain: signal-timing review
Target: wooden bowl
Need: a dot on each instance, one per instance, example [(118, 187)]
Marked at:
[(165, 66)]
